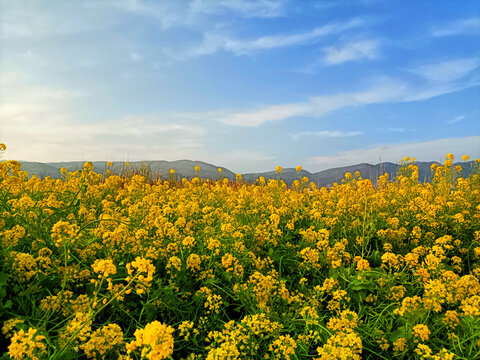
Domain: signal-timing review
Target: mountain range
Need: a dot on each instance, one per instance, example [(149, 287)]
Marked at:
[(185, 169)]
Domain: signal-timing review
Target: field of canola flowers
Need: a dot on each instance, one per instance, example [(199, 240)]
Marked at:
[(110, 267)]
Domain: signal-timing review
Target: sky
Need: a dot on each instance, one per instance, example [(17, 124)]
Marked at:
[(243, 84)]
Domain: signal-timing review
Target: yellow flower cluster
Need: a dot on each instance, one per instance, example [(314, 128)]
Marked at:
[(127, 266), (104, 268), (421, 332), (155, 341), (103, 341), (27, 345), (142, 270), (63, 232)]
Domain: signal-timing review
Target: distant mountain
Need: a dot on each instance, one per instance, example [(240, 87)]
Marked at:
[(185, 169), (41, 170), (161, 168)]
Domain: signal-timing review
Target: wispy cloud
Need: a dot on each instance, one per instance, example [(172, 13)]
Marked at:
[(327, 4), (365, 49), (61, 137), (395, 129), (422, 151), (20, 19), (44, 118), (447, 70), (456, 119), (246, 8), (462, 26), (213, 42), (135, 57), (315, 106), (327, 134), (383, 91)]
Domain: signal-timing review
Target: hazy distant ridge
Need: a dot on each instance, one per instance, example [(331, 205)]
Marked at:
[(185, 169)]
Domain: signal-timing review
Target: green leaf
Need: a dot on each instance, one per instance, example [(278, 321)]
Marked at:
[(150, 312), (67, 356), (3, 279), (8, 304)]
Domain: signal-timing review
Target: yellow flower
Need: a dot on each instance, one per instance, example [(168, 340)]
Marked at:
[(189, 241), (197, 168), (9, 325), (143, 270), (465, 158), (88, 166), (193, 262), (471, 306), (219, 170), (278, 169), (26, 345), (174, 262), (184, 328), (283, 347), (3, 147), (104, 268), (172, 171), (298, 169), (400, 344), (63, 232), (156, 341), (421, 331), (25, 267), (363, 264), (341, 346), (103, 340), (346, 322)]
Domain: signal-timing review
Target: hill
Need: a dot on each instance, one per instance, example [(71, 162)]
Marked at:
[(185, 169)]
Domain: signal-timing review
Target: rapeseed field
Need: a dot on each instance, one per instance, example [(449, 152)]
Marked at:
[(99, 266)]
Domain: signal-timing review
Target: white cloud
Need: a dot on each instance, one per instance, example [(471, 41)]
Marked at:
[(42, 126), (383, 91), (422, 151), (352, 51), (456, 119), (181, 13), (462, 26), (246, 8), (241, 160), (447, 70), (213, 42), (167, 14), (62, 138), (327, 134), (29, 18), (45, 129), (135, 57), (327, 4)]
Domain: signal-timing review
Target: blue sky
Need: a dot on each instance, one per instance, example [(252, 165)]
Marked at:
[(239, 83)]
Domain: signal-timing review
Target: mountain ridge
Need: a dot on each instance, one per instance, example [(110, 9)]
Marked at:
[(185, 169)]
